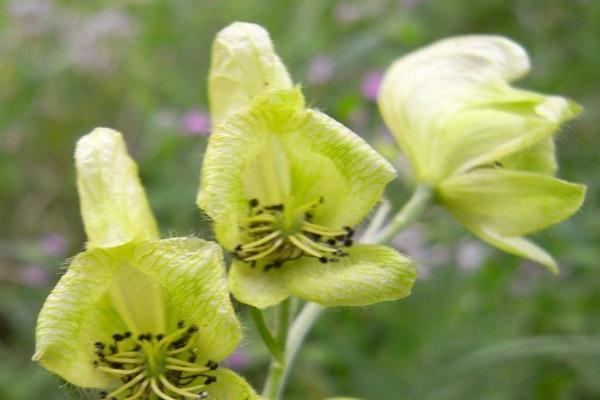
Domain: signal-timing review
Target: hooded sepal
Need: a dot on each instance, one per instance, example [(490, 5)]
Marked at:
[(243, 65), (114, 206), (451, 108)]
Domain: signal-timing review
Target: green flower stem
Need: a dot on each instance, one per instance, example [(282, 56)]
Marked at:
[(265, 334), (411, 210), (279, 371)]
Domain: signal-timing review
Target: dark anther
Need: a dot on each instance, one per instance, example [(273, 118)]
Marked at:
[(308, 216), (348, 242), (211, 365), (323, 260), (160, 336), (202, 395), (113, 349), (498, 164), (331, 242), (103, 395), (127, 335), (349, 230), (237, 248), (193, 329), (192, 358), (180, 324), (99, 345), (275, 207), (118, 337), (210, 379), (253, 203), (141, 337)]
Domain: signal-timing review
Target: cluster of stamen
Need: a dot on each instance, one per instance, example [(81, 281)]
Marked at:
[(153, 367), (271, 237)]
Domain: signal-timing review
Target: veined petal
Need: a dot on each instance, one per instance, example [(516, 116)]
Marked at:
[(369, 274), (511, 203), (230, 386), (256, 287), (76, 314), (114, 206), (276, 152), (450, 107), (518, 246), (243, 65), (192, 273)]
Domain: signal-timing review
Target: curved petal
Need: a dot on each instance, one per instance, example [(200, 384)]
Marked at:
[(114, 206), (257, 287), (450, 107), (518, 246), (511, 203), (369, 274), (243, 65), (75, 315), (192, 273), (276, 151), (230, 386), (540, 158)]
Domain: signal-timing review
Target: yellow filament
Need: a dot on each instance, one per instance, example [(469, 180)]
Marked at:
[(159, 392), (321, 230), (126, 386), (257, 243), (119, 371), (177, 390), (304, 247), (318, 246), (265, 253)]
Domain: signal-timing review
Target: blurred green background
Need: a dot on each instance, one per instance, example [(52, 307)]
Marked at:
[(479, 325)]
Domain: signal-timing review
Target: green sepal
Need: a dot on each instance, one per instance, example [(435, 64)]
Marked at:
[(518, 246), (243, 65), (77, 309), (369, 274), (511, 203), (192, 273), (113, 291), (114, 206), (230, 386), (275, 150), (451, 109)]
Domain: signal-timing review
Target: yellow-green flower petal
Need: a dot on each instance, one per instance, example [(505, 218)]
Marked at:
[(276, 152), (243, 65), (256, 287), (230, 386), (511, 203), (518, 246), (450, 107), (192, 273), (74, 316), (539, 158), (370, 274), (114, 207)]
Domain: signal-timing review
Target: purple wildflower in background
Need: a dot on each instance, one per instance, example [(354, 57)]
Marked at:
[(321, 70), (196, 123), (238, 360), (33, 275), (371, 82), (54, 244)]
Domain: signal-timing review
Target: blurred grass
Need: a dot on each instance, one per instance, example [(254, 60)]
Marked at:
[(506, 330)]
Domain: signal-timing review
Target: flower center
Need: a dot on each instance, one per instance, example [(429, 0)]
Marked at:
[(277, 233), (155, 366)]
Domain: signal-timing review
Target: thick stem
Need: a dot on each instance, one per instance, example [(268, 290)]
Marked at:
[(273, 385), (409, 212), (265, 334)]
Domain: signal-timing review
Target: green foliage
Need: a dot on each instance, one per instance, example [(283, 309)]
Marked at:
[(462, 333)]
